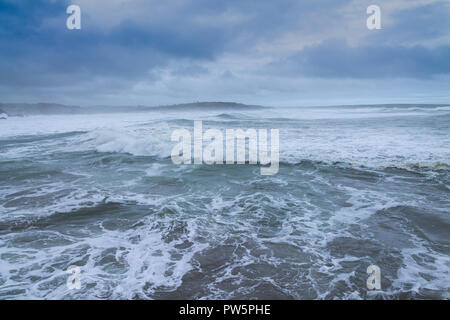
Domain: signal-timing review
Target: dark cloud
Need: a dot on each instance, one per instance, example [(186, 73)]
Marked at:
[(36, 45), (336, 59), (420, 24), (33, 53)]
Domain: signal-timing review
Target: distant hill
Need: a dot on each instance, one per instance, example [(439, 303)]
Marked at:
[(25, 109), (211, 106)]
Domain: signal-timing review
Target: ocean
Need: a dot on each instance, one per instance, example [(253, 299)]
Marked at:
[(356, 186)]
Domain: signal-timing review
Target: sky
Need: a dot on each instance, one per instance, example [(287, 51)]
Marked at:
[(267, 52)]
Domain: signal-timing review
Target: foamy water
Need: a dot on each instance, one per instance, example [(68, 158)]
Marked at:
[(356, 186)]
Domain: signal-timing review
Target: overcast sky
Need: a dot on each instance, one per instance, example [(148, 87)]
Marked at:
[(269, 52)]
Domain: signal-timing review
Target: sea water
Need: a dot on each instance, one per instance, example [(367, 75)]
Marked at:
[(356, 186)]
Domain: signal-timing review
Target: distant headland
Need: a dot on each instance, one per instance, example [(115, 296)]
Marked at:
[(28, 109)]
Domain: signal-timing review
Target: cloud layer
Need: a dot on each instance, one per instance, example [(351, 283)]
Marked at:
[(270, 52)]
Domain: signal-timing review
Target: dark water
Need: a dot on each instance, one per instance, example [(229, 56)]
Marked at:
[(357, 186)]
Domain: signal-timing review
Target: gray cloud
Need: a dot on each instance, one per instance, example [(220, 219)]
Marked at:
[(163, 51), (336, 59)]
